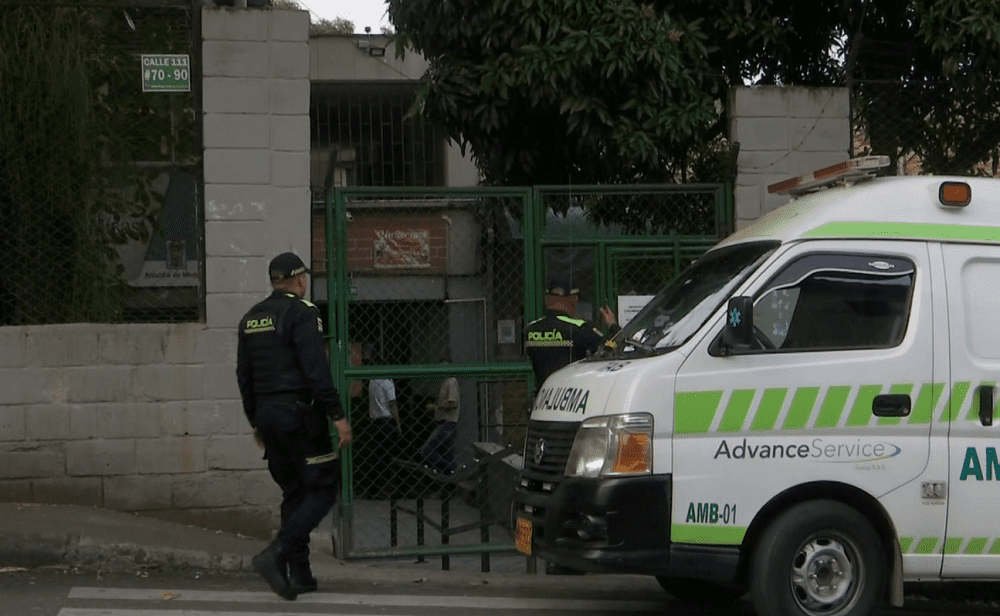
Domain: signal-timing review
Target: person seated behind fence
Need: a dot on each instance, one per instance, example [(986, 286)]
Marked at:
[(439, 450)]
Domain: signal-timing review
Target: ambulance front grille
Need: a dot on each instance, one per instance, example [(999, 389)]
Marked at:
[(546, 451)]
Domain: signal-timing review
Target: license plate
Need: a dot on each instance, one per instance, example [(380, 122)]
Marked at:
[(522, 536)]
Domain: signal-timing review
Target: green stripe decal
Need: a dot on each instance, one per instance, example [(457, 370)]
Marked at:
[(768, 409), (736, 410), (905, 543), (926, 545), (952, 545), (802, 406), (861, 412), (995, 548), (902, 230), (899, 389), (976, 545), (927, 401), (955, 402), (695, 410), (715, 535), (833, 406)]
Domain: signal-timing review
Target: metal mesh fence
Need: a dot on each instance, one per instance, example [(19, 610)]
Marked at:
[(621, 245), (434, 306), (431, 289), (928, 127), (99, 180)]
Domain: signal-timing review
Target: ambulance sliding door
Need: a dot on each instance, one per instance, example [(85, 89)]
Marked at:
[(972, 545)]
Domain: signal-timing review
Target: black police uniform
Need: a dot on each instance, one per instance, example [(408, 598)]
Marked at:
[(289, 398), (558, 339)]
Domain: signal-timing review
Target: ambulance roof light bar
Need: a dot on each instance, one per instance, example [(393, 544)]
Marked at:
[(851, 170)]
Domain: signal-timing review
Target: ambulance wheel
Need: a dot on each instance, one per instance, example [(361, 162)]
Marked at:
[(689, 590), (820, 558)]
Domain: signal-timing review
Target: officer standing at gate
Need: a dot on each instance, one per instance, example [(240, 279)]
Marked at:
[(560, 338), (289, 398)]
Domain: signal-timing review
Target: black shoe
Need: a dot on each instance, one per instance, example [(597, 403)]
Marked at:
[(302, 585), (300, 576), (271, 569)]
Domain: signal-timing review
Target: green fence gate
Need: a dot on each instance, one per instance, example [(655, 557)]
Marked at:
[(424, 285)]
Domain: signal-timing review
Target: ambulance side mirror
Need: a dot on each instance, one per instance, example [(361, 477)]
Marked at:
[(738, 332)]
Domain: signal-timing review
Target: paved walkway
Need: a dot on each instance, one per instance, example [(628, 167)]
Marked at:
[(33, 535)]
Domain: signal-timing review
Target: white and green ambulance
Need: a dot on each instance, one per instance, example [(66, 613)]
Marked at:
[(806, 413)]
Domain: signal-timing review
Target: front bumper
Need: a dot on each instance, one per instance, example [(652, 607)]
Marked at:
[(609, 524), (617, 525)]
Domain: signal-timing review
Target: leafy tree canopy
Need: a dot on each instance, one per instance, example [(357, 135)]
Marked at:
[(923, 73), (565, 91), (620, 91)]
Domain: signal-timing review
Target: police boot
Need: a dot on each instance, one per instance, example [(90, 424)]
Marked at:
[(300, 577), (272, 567)]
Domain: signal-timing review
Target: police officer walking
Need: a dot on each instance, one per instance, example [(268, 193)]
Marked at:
[(289, 399), (559, 338)]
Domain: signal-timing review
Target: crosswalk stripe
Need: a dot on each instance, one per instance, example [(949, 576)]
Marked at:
[(405, 601)]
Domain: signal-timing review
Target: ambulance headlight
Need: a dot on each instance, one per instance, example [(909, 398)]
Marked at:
[(612, 445)]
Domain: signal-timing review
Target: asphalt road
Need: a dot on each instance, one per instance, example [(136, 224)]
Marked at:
[(62, 591)]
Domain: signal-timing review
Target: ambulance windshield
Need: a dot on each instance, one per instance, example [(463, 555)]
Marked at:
[(677, 312)]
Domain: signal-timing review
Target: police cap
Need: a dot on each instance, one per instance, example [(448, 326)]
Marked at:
[(561, 287), (286, 265)]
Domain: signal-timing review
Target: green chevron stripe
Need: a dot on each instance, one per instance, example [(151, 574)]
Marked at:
[(861, 412), (801, 408), (833, 406), (695, 410), (976, 545), (768, 409), (952, 545), (954, 405), (926, 545), (736, 410)]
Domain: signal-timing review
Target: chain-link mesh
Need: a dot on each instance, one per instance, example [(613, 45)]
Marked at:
[(98, 179), (434, 283), (649, 235), (431, 289), (929, 127)]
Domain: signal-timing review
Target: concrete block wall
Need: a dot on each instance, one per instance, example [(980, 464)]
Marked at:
[(147, 418), (142, 418), (784, 132), (256, 121)]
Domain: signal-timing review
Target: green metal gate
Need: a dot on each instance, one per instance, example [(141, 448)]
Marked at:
[(429, 284)]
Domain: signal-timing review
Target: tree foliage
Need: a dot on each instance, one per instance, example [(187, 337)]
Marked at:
[(566, 91), (923, 73), (73, 122), (620, 91)]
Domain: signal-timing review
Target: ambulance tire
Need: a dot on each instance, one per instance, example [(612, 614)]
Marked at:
[(700, 592), (803, 553)]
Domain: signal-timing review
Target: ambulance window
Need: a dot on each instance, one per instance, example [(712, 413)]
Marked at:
[(832, 301)]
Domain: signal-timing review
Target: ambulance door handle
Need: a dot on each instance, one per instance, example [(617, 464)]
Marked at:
[(986, 405), (891, 405)]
